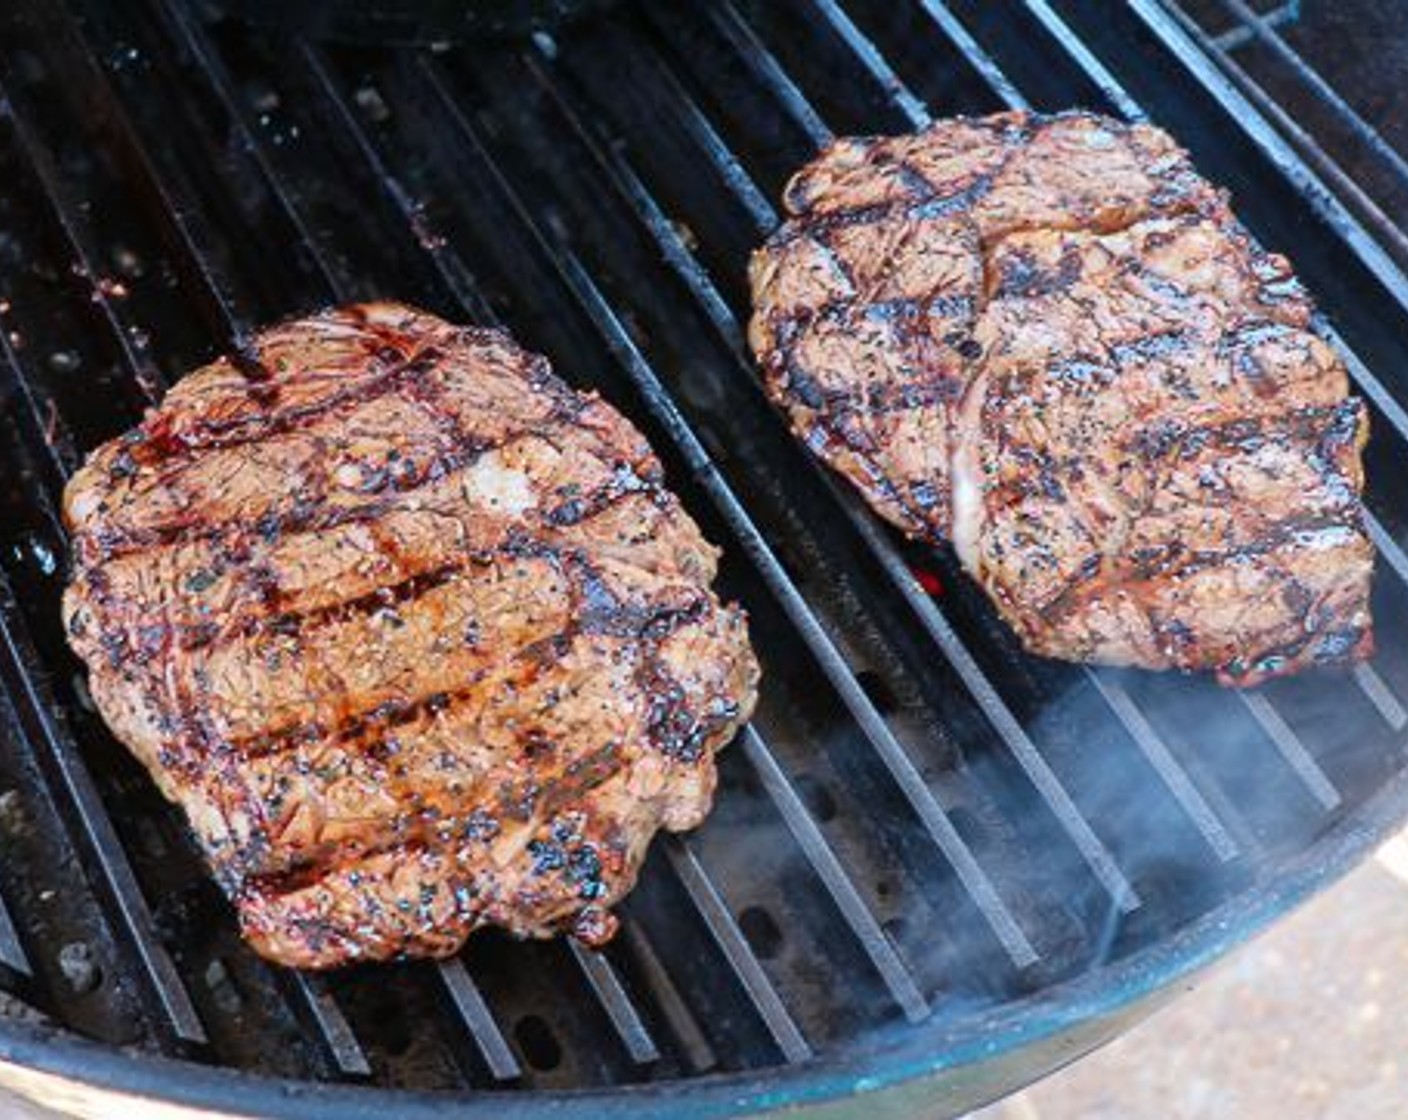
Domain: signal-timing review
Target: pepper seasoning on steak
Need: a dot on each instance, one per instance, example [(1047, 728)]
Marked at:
[(1048, 341), (413, 632)]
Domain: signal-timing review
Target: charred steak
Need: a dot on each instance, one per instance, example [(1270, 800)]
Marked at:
[(1048, 341), (413, 633)]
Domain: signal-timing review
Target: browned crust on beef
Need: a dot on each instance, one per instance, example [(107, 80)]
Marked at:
[(1048, 340), (413, 632)]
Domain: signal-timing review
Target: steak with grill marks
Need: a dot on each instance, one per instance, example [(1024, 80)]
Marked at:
[(413, 633), (1048, 341)]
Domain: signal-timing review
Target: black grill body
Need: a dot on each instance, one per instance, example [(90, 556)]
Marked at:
[(938, 866)]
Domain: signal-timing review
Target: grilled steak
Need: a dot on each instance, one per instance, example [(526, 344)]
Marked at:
[(414, 634), (1048, 341)]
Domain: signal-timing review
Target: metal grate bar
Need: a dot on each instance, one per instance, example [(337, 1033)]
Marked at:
[(982, 690), (982, 62), (1297, 756), (315, 1006), (774, 575), (762, 62), (1388, 546), (12, 955), (681, 261), (1370, 683), (1290, 747), (62, 212), (474, 1013), (1169, 770), (49, 427), (212, 70), (701, 130), (1160, 757), (1240, 36), (1082, 55), (682, 1023), (1381, 696), (1306, 145), (448, 264), (839, 885), (1264, 29), (1306, 183), (1366, 380), (48, 739), (913, 109), (729, 938), (1373, 686), (611, 993), (145, 375), (168, 200)]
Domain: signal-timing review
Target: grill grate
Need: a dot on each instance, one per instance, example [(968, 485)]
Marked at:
[(1328, 133), (922, 823), (12, 954), (71, 782)]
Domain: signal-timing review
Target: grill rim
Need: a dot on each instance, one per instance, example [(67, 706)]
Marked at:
[(1115, 996)]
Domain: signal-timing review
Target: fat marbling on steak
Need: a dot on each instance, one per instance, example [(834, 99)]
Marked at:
[(1047, 340), (413, 633)]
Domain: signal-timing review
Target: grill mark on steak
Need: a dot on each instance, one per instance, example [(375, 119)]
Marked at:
[(652, 623), (570, 851), (293, 624), (158, 442), (1176, 560), (393, 718), (1089, 377), (574, 512), (416, 831), (159, 446), (303, 515), (312, 514)]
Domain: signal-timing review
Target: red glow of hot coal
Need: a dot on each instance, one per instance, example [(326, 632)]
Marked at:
[(928, 581)]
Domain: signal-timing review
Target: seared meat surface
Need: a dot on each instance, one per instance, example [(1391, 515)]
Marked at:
[(413, 633), (1048, 341)]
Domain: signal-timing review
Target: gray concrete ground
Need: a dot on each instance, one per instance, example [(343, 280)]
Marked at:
[(1310, 1022)]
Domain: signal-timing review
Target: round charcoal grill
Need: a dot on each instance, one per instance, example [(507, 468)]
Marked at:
[(938, 868)]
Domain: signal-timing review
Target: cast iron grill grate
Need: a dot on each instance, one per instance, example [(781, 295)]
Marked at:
[(924, 832), (1291, 69)]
